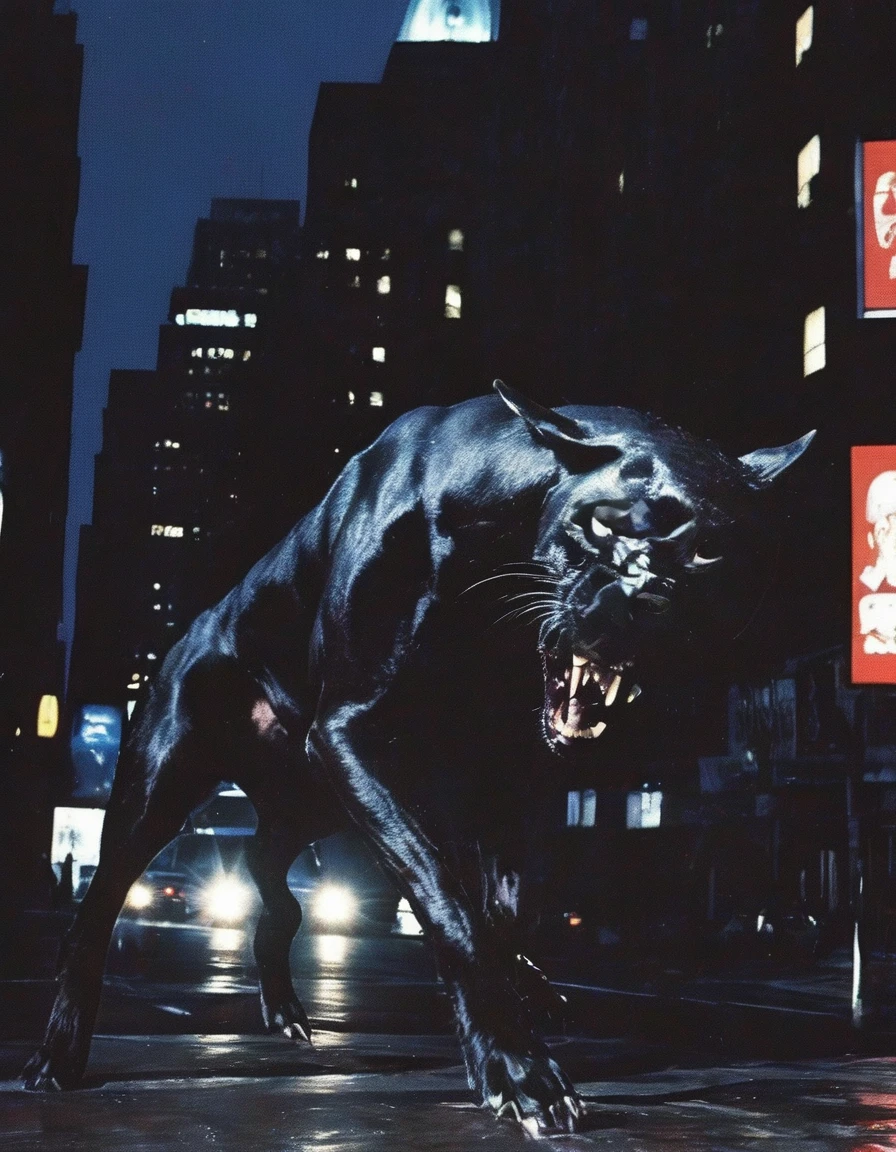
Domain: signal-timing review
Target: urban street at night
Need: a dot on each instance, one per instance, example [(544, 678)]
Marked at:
[(448, 572)]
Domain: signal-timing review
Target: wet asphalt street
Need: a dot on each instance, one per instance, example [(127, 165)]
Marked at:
[(179, 1060), (379, 1092)]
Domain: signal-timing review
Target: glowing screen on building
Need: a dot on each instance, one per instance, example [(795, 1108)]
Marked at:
[(465, 20), (96, 737), (874, 564), (876, 220), (77, 833)]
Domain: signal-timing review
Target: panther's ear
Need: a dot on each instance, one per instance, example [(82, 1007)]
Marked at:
[(767, 463), (552, 428)]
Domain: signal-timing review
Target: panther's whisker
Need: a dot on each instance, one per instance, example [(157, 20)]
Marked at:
[(536, 576), (516, 613)]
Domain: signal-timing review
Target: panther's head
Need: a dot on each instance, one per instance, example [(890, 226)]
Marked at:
[(639, 515)]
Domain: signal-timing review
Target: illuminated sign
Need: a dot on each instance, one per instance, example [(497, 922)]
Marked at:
[(77, 833), (874, 564), (466, 20), (96, 738), (48, 716), (876, 224)]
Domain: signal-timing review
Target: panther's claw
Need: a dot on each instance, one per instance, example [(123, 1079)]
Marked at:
[(39, 1078), (296, 1032)]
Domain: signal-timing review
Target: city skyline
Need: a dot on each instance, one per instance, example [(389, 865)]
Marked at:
[(170, 119)]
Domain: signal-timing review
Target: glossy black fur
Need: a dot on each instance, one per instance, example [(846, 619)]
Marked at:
[(359, 671)]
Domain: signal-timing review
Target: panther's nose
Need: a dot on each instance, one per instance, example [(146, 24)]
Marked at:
[(654, 597)]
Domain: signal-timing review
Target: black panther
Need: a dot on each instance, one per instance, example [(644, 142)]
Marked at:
[(359, 671)]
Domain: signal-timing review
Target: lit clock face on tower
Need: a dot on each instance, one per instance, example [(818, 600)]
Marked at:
[(473, 21)]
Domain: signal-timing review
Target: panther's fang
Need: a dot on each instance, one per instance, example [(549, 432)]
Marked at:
[(613, 690)]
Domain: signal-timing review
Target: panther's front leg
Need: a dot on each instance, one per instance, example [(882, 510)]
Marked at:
[(508, 1065)]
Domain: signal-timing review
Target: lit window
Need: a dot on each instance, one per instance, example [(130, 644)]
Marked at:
[(220, 353), (376, 399), (456, 240), (638, 29), (151, 656), (581, 808), (353, 253), (211, 317), (808, 166), (352, 182), (814, 353), (323, 254), (131, 705), (379, 355), (713, 32), (247, 355), (250, 319), (387, 253), (452, 302), (644, 809), (355, 282), (48, 716), (157, 587), (621, 182), (384, 285), (351, 397), (157, 607), (197, 352), (173, 530), (804, 29), (135, 679), (179, 318), (261, 254)]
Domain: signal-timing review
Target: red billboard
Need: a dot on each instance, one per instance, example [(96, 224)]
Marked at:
[(876, 216), (874, 564)]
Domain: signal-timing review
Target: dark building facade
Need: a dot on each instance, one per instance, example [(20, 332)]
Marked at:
[(40, 332)]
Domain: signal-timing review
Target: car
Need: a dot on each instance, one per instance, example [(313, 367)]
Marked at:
[(160, 895)]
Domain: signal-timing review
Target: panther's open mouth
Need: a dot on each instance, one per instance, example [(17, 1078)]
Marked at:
[(579, 693)]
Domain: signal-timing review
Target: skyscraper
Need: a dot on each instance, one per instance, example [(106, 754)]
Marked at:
[(40, 332), (183, 501)]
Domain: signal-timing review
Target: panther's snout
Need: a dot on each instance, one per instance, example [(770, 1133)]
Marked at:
[(580, 692)]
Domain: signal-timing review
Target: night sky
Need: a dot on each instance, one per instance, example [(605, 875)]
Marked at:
[(184, 100)]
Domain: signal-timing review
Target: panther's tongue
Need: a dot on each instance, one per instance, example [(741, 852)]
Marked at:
[(587, 685)]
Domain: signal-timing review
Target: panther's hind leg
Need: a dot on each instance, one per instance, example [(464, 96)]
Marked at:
[(151, 799), (293, 811)]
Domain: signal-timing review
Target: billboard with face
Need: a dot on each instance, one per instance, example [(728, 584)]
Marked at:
[(874, 564), (876, 217)]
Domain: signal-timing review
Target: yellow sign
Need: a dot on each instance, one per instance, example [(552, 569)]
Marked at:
[(48, 716)]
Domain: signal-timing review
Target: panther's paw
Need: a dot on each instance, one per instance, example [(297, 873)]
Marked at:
[(533, 1091), (45, 1072), (290, 1018)]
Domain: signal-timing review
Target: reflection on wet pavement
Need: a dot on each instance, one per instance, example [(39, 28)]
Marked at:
[(410, 1093)]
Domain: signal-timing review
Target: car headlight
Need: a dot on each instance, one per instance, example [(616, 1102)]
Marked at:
[(335, 905), (227, 899), (139, 897)]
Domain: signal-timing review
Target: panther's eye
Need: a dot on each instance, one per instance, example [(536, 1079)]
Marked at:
[(598, 528)]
